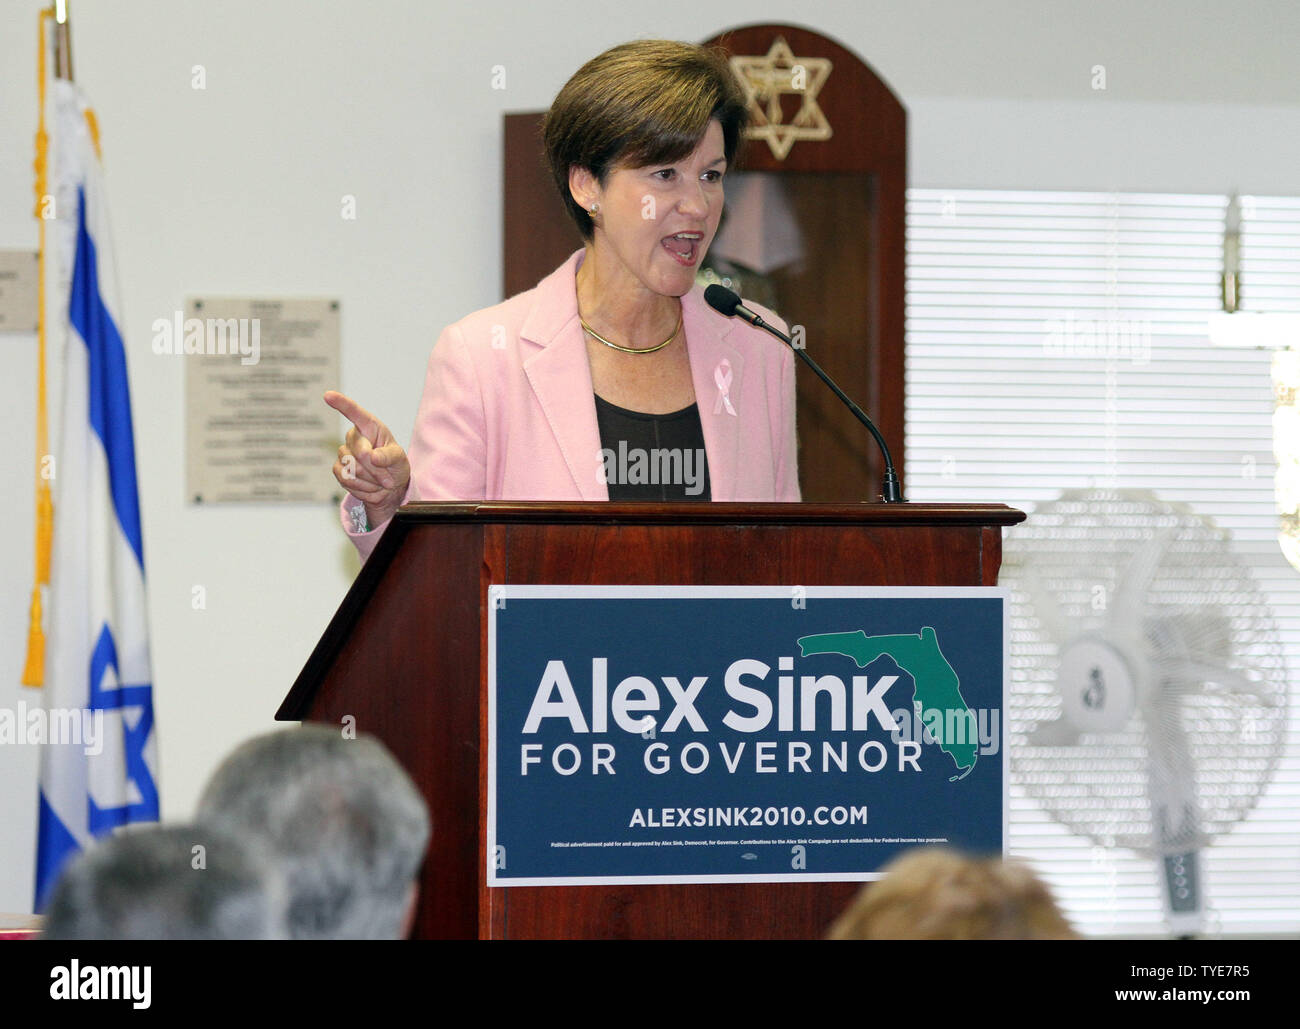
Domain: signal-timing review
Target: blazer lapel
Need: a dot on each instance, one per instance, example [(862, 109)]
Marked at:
[(718, 373), (560, 376)]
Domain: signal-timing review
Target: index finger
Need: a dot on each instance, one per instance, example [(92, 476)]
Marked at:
[(367, 424)]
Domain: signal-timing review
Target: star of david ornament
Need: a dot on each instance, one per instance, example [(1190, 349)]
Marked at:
[(776, 74)]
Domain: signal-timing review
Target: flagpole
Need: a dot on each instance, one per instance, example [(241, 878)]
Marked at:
[(62, 41), (34, 664)]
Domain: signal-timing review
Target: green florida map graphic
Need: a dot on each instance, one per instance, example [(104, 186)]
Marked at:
[(936, 686)]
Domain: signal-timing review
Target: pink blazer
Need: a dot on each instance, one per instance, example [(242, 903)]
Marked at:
[(508, 414)]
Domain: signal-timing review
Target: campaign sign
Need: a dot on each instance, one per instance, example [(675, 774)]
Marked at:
[(740, 734)]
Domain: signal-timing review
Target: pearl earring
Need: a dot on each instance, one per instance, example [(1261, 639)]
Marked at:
[(595, 208)]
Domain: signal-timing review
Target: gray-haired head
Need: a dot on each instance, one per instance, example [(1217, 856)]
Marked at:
[(186, 882), (344, 820)]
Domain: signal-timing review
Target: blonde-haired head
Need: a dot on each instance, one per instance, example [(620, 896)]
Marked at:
[(938, 894)]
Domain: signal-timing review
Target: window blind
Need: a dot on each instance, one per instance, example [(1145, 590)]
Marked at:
[(1058, 340)]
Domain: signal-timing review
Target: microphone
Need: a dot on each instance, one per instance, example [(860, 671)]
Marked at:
[(725, 302)]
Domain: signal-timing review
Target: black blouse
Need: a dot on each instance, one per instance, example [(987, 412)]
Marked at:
[(652, 456)]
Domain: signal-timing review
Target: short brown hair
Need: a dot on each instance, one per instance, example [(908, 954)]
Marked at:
[(641, 103), (932, 893)]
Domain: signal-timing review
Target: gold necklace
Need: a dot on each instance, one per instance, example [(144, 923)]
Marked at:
[(632, 350)]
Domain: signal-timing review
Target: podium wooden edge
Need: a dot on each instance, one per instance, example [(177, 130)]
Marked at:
[(993, 517)]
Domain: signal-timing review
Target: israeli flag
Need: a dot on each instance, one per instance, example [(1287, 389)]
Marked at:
[(97, 666)]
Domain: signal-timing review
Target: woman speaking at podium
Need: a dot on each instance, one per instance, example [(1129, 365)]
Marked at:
[(611, 379)]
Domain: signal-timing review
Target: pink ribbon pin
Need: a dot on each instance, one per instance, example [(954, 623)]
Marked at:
[(722, 376)]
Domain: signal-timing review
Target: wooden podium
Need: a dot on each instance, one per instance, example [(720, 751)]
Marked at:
[(406, 656)]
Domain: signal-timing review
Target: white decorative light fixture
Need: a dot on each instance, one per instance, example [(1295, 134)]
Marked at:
[(1286, 449), (1232, 327), (1231, 279), (1254, 331)]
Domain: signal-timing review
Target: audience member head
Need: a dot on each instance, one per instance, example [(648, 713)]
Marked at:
[(186, 882), (341, 816), (936, 894)]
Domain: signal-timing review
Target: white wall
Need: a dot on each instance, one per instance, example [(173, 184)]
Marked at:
[(236, 189)]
